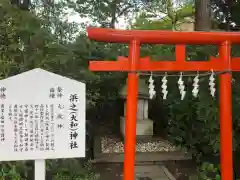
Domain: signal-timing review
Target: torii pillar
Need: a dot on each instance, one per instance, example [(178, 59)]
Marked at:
[(134, 63)]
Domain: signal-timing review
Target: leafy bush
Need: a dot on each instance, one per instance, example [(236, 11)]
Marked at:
[(72, 170), (208, 171)]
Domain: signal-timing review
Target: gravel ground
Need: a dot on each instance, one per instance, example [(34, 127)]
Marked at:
[(109, 145)]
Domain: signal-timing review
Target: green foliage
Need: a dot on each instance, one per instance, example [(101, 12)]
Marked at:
[(144, 22), (105, 13), (208, 171), (13, 171), (71, 169)]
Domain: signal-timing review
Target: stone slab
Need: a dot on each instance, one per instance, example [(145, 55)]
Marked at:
[(151, 171), (114, 171), (143, 157)]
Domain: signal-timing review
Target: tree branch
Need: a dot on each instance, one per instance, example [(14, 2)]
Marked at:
[(124, 10)]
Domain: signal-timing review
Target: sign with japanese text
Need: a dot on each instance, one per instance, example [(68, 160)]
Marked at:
[(42, 117)]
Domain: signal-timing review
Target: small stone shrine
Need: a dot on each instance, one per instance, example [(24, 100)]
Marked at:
[(149, 148), (144, 124)]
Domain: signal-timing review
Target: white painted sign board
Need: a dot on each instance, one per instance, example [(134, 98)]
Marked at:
[(42, 117)]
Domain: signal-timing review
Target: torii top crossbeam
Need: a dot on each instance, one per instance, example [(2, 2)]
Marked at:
[(162, 37), (134, 63)]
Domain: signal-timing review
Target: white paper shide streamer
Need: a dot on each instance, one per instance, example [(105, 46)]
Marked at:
[(195, 86), (181, 87), (212, 84), (164, 87), (151, 87)]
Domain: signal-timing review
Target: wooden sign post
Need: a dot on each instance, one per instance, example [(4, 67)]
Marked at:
[(134, 64)]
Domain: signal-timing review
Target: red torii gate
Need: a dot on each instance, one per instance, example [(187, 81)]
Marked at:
[(134, 63)]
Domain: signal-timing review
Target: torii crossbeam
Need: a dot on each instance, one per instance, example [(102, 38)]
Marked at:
[(134, 63)]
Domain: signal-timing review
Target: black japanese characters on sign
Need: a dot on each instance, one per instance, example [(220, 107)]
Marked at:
[(33, 127), (60, 106), (21, 127), (2, 134), (74, 123), (41, 127), (10, 112), (15, 128), (3, 93), (59, 92), (52, 93), (26, 133), (73, 135), (60, 126), (56, 92), (47, 128), (52, 130), (60, 117), (36, 126)]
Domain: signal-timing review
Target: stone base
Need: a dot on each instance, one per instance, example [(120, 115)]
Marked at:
[(144, 128)]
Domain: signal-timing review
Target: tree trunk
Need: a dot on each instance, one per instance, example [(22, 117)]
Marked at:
[(113, 21), (114, 6), (203, 15)]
